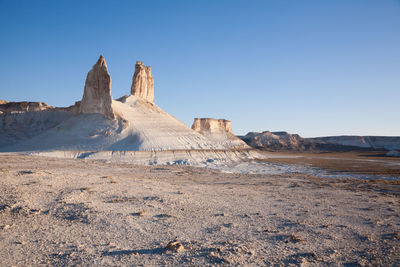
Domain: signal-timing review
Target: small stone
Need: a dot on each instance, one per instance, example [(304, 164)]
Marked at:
[(140, 213), (304, 262), (175, 246)]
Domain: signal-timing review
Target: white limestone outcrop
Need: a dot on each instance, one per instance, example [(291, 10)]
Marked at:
[(97, 95), (210, 125), (143, 82), (219, 131), (98, 123)]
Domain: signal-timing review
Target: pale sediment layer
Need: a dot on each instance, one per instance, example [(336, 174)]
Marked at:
[(200, 158)]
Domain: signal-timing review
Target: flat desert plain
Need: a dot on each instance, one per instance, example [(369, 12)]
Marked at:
[(82, 212)]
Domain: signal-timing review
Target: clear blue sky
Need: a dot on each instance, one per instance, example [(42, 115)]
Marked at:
[(309, 67)]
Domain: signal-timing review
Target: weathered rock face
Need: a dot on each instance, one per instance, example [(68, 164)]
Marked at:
[(275, 141), (203, 125), (219, 131), (143, 82), (97, 95), (9, 107)]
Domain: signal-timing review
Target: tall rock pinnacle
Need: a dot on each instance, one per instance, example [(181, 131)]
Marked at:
[(97, 95), (143, 82)]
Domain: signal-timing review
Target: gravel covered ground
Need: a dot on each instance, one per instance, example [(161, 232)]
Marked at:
[(82, 212)]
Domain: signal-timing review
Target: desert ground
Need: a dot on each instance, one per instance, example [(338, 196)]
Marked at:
[(61, 212)]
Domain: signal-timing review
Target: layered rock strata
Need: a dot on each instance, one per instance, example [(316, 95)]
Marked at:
[(219, 131), (97, 95), (204, 125), (276, 141), (143, 82)]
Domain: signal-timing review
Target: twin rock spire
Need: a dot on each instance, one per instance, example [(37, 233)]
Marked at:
[(97, 94)]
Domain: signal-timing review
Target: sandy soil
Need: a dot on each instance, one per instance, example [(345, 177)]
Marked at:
[(82, 212)]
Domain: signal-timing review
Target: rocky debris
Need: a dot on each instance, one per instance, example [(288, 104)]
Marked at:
[(203, 125), (143, 82), (10, 107), (175, 246), (97, 94)]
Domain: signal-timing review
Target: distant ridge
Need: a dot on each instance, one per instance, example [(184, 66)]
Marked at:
[(294, 142)]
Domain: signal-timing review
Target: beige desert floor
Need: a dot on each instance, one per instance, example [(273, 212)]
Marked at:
[(80, 212)]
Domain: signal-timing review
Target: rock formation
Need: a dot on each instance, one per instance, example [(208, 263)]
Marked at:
[(143, 82), (275, 141), (130, 123), (9, 107), (97, 95), (219, 131), (203, 125)]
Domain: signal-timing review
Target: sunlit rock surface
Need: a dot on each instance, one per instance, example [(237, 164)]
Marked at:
[(219, 131), (97, 95), (204, 125), (143, 82)]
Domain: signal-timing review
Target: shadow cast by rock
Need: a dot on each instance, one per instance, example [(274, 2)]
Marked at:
[(125, 252)]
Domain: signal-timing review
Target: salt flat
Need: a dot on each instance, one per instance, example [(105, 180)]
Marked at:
[(84, 212)]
